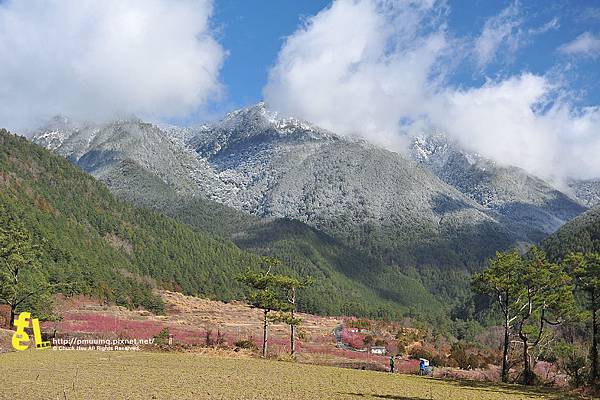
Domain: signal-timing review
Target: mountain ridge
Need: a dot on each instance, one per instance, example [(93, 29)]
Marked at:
[(390, 208)]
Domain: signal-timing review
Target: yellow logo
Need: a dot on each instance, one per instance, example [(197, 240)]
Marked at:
[(21, 336)]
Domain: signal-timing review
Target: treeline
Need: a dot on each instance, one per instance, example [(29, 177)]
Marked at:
[(549, 311), (348, 280), (101, 246)]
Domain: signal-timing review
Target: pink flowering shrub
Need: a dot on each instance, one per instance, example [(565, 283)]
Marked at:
[(352, 339)]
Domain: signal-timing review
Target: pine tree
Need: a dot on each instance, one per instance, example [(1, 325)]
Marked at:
[(585, 270), (546, 298), (266, 294), (532, 293), (498, 281), (21, 280)]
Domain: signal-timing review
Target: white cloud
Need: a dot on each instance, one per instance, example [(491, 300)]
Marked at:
[(352, 71), (522, 121), (585, 44), (551, 25), (94, 59), (499, 31), (358, 67)]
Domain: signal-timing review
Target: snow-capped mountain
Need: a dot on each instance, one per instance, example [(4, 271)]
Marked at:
[(258, 162), (522, 198), (587, 191)]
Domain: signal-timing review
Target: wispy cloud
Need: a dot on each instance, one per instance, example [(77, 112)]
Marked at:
[(502, 30), (551, 25), (586, 44), (93, 59), (590, 14)]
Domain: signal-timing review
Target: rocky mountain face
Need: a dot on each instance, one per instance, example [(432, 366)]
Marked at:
[(586, 191), (268, 166), (532, 205), (442, 212)]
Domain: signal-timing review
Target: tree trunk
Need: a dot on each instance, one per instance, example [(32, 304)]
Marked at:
[(292, 336), (265, 333), (505, 348), (594, 347), (527, 373), (13, 313), (293, 325)]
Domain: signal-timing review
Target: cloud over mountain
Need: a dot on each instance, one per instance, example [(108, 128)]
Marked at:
[(380, 69), (94, 59)]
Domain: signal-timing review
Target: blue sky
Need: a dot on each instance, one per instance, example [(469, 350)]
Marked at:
[(254, 31), (517, 81)]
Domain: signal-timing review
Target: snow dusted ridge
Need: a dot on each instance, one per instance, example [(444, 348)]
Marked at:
[(588, 191), (265, 164), (509, 191)]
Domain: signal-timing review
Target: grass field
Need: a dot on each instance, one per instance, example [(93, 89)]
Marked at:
[(49, 374)]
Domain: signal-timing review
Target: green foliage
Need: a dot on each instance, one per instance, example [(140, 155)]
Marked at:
[(569, 358), (499, 281), (360, 323), (102, 246), (162, 337), (23, 286), (580, 235), (266, 289), (585, 269), (532, 293), (246, 344)]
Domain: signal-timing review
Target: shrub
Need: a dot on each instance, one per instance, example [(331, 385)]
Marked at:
[(359, 323), (246, 344), (162, 337)]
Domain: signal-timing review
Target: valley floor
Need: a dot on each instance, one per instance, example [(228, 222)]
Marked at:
[(69, 375)]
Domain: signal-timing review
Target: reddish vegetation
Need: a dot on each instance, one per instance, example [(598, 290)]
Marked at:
[(353, 339), (199, 322)]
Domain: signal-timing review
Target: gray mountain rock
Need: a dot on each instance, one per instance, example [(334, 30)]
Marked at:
[(586, 191), (528, 202), (446, 210)]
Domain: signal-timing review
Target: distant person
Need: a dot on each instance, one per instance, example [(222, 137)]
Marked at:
[(422, 367), (392, 361)]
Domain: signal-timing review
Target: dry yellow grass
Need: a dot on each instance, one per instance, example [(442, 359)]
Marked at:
[(49, 374)]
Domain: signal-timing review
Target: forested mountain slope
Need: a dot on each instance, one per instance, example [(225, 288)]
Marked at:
[(104, 247), (257, 162), (582, 234)]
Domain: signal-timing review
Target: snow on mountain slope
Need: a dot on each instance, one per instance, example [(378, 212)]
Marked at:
[(524, 199), (586, 191), (395, 208)]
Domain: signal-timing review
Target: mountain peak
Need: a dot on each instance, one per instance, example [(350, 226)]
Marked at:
[(259, 118)]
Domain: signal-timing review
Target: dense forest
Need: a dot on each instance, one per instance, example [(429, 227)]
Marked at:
[(582, 234), (104, 247)]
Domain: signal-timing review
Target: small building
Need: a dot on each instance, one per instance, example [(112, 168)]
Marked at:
[(379, 350)]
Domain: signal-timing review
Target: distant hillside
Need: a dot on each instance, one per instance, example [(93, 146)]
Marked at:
[(582, 234), (109, 249), (103, 246), (531, 205), (350, 282), (260, 163)]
